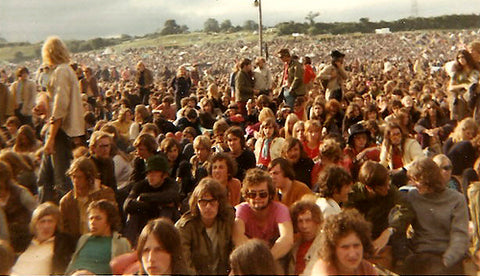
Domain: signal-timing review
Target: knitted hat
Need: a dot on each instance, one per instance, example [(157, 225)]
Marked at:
[(157, 163)]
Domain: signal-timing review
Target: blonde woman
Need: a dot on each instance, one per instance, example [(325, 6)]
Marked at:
[(287, 130), (269, 145), (459, 147)]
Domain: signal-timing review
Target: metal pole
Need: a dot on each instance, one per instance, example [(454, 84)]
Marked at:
[(260, 28)]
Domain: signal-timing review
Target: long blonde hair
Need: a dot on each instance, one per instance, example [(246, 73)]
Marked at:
[(54, 51), (467, 123)]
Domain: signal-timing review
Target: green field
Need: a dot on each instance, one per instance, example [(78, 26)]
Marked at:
[(12, 54)]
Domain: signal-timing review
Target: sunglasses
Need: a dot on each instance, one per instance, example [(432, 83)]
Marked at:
[(205, 202), (254, 194), (447, 167)]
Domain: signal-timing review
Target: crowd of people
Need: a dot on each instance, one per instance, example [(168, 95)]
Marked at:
[(349, 155)]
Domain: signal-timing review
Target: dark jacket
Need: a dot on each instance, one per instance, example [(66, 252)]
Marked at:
[(62, 252), (303, 171), (295, 78), (243, 86), (197, 246), (146, 202)]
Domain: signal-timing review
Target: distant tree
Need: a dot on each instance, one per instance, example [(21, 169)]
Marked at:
[(125, 37), (211, 25), (226, 25), (18, 56), (170, 27), (311, 17), (183, 29), (250, 25)]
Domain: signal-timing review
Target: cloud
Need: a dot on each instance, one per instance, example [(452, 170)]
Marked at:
[(33, 20)]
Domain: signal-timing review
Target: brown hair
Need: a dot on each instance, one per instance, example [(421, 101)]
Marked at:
[(237, 132), (252, 258), (373, 174), (54, 51), (146, 140), (254, 177), (331, 150), (216, 190), (168, 143), (168, 236), (285, 166), (290, 143), (42, 210), (332, 179), (110, 210), (231, 163), (301, 207), (341, 225), (86, 166), (427, 173)]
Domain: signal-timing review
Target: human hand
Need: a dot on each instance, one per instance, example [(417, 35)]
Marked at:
[(381, 241), (49, 147)]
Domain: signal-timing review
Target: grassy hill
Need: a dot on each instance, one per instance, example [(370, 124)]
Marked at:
[(18, 54)]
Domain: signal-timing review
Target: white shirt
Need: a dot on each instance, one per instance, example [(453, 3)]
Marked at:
[(328, 206), (36, 260)]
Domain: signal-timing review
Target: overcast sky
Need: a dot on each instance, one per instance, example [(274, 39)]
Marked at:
[(34, 20)]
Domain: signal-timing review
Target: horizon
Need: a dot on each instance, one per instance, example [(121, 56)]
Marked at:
[(32, 21)]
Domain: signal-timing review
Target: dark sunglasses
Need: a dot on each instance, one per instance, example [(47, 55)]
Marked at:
[(204, 202), (254, 194)]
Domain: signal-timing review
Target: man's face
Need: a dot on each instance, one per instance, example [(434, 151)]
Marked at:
[(278, 177), (258, 197), (307, 227), (102, 148), (156, 178), (234, 143), (294, 154), (98, 223)]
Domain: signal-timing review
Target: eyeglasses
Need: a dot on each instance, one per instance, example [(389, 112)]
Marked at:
[(254, 194), (446, 167), (205, 202)]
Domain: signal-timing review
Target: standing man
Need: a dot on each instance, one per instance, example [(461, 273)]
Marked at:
[(473, 93), (261, 217), (289, 190), (262, 77), (292, 79), (333, 76), (23, 93), (66, 124), (144, 81), (244, 85)]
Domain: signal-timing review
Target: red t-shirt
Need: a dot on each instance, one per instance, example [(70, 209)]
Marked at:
[(302, 251)]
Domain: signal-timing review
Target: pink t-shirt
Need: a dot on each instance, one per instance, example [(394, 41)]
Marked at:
[(278, 214)]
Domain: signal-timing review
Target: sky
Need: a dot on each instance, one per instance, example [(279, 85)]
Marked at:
[(34, 20)]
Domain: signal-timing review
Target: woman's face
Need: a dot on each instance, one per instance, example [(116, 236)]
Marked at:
[(45, 228), (155, 259), (293, 154), (172, 154), (234, 143), (220, 170), (462, 60), (395, 136), (468, 134), (360, 141), (372, 115), (268, 131), (349, 253), (312, 135), (299, 132), (202, 153)]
